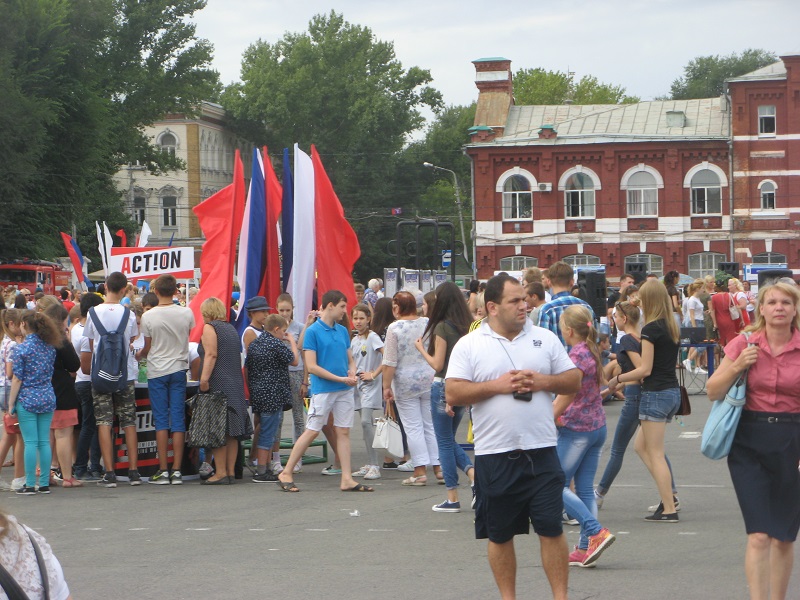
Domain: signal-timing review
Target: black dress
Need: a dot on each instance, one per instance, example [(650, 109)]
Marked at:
[(226, 377)]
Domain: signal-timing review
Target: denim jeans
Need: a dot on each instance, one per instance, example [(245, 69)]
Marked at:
[(579, 453), (451, 455), (626, 428), (88, 444), (35, 428)]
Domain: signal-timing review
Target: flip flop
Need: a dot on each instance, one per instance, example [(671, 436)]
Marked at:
[(360, 487), (288, 486)]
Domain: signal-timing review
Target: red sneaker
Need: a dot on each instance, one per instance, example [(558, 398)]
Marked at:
[(597, 544), (577, 558)]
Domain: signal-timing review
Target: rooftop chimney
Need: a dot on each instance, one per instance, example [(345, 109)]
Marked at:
[(495, 97)]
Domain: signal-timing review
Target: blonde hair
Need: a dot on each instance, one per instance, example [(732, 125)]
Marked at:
[(11, 315), (736, 283), (46, 302), (658, 306), (213, 309), (784, 288), (579, 319)]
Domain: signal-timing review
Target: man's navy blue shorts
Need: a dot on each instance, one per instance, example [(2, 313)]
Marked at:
[(516, 489)]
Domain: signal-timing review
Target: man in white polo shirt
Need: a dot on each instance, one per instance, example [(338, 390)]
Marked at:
[(508, 370)]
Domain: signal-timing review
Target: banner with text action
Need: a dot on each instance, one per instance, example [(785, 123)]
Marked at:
[(148, 263)]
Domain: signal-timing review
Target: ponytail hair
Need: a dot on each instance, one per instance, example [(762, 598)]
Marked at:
[(580, 320), (42, 326), (631, 311)]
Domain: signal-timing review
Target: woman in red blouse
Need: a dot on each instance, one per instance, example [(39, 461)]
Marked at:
[(764, 458)]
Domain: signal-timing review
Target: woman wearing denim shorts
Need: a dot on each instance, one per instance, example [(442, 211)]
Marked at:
[(629, 356), (661, 396)]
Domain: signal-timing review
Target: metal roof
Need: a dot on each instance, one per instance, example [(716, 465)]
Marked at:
[(776, 70), (597, 123)]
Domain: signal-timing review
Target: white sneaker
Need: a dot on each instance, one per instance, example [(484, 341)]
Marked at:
[(406, 467), (373, 473), (701, 371), (4, 486), (361, 472), (687, 364), (297, 468), (276, 467), (18, 483), (598, 499)]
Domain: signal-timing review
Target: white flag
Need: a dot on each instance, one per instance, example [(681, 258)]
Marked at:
[(301, 280), (145, 235), (109, 243), (101, 248)]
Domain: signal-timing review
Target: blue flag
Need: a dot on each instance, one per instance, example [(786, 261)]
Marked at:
[(252, 242), (287, 221)]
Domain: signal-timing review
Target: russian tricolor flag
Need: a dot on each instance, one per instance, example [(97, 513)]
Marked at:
[(76, 258)]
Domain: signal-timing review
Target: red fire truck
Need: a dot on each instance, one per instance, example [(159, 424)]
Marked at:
[(32, 274)]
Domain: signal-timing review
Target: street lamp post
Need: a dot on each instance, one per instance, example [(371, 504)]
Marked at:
[(460, 210)]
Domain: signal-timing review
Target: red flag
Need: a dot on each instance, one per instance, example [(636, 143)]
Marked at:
[(271, 287), (337, 243), (122, 236), (220, 218), (74, 254)]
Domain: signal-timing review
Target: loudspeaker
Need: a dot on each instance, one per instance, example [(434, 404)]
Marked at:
[(638, 270), (731, 268), (769, 276), (592, 286)]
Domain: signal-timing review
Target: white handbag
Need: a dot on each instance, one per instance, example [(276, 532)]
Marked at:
[(387, 434)]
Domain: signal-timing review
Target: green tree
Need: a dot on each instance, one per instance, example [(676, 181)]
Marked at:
[(704, 76), (78, 81), (340, 88), (539, 86)]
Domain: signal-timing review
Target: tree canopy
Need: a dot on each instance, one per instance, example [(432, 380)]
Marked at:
[(540, 86), (78, 81), (340, 88), (704, 76)]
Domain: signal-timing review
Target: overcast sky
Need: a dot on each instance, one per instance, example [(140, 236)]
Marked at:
[(642, 45)]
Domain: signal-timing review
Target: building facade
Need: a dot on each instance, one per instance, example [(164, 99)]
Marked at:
[(166, 201), (651, 182)]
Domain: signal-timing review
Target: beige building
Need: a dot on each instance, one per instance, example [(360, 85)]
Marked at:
[(166, 201)]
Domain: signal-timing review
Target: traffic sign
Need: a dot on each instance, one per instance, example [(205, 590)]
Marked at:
[(446, 258)]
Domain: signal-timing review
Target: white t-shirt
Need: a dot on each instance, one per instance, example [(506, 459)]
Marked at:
[(81, 344), (168, 328), (133, 364), (110, 316), (366, 355), (295, 329), (17, 554), (694, 305), (501, 423)]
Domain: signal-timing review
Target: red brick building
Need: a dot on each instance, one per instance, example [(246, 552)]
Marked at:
[(647, 182)]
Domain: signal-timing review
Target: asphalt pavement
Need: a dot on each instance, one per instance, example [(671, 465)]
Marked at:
[(252, 540)]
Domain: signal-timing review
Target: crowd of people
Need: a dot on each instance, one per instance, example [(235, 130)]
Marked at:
[(530, 365)]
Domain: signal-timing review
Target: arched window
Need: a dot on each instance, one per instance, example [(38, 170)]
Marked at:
[(706, 193), (642, 195), (169, 143), (581, 260), (168, 197), (704, 263), (139, 205), (654, 262), (518, 263), (767, 191), (769, 258), (517, 198), (579, 196)]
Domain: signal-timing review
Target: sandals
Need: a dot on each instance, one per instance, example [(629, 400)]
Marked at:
[(360, 487), (288, 486), (418, 481)]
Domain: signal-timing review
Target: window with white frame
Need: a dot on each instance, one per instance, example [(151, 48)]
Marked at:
[(581, 260), (704, 263), (766, 120), (769, 258), (654, 262), (706, 193), (517, 198), (579, 196), (767, 189), (139, 207), (169, 143), (642, 195), (518, 263), (169, 207)]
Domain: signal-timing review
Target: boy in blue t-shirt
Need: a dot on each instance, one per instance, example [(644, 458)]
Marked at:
[(327, 357)]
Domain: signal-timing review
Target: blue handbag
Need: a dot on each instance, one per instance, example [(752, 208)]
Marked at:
[(723, 420)]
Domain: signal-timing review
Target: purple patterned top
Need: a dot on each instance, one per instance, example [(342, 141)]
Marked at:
[(586, 412)]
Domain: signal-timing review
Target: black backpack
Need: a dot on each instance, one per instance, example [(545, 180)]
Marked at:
[(110, 356)]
